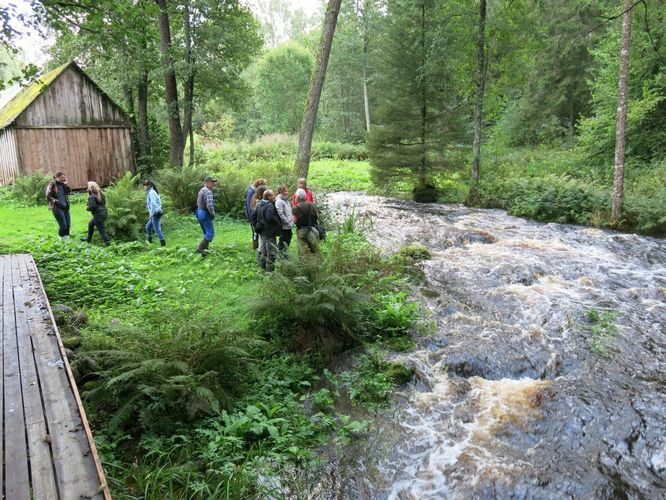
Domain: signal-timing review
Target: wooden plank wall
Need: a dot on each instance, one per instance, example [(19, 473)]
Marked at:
[(9, 159), (72, 100), (95, 154)]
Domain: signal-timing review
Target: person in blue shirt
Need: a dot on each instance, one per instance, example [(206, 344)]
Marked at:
[(155, 212)]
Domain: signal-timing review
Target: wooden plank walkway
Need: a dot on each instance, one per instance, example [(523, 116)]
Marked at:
[(47, 447)]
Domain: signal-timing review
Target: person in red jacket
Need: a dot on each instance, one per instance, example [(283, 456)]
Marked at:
[(309, 196)]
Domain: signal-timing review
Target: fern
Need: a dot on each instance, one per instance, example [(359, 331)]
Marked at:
[(126, 203), (182, 186), (195, 371)]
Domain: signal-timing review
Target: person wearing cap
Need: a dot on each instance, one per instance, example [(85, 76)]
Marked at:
[(206, 213)]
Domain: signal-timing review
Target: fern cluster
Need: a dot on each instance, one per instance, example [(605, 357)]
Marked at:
[(192, 369), (126, 203), (182, 185)]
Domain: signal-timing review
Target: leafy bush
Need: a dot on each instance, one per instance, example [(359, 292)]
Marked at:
[(30, 189), (372, 381), (126, 203), (182, 186), (553, 198)]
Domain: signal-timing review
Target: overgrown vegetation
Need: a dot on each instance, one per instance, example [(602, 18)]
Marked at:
[(193, 392)]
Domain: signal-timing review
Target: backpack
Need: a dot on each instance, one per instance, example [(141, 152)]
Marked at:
[(258, 218)]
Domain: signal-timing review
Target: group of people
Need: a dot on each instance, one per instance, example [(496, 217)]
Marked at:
[(57, 196), (272, 216)]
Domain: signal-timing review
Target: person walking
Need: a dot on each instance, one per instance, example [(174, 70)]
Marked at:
[(270, 225), (305, 215), (249, 195), (57, 196), (206, 214), (155, 212), (283, 209), (97, 207), (302, 183)]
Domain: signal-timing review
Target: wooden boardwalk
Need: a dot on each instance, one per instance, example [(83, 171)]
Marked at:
[(47, 447)]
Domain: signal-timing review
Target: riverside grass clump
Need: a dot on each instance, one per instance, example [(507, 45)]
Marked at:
[(182, 404)]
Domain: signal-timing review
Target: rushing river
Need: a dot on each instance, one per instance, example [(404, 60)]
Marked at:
[(545, 376)]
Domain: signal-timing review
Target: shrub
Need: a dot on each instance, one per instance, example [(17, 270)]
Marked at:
[(392, 315), (311, 306), (126, 203), (230, 195), (182, 186), (30, 189)]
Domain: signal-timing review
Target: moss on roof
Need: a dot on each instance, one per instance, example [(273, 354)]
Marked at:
[(17, 104)]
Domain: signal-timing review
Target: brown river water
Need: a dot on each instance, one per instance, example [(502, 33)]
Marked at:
[(519, 392)]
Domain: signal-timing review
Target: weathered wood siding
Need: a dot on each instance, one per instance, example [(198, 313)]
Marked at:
[(9, 159), (95, 154), (72, 100)]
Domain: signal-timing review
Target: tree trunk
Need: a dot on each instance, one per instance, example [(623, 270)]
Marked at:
[(424, 103), (480, 84), (129, 104), (145, 158), (316, 86), (188, 92), (366, 43), (618, 181), (176, 142), (366, 103)]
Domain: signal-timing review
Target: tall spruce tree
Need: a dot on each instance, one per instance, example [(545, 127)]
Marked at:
[(419, 111)]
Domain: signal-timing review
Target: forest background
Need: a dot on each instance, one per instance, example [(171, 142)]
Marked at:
[(400, 92), (201, 377)]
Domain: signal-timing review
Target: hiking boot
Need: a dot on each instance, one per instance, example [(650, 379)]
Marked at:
[(162, 243), (203, 247)]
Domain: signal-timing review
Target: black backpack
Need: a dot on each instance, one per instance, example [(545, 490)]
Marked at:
[(258, 218)]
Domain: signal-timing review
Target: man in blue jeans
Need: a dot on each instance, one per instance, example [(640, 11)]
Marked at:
[(206, 213)]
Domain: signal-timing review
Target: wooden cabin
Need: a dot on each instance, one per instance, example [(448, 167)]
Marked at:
[(63, 121)]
